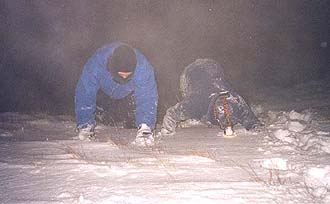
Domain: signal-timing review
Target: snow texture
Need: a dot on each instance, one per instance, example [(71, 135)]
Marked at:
[(286, 161)]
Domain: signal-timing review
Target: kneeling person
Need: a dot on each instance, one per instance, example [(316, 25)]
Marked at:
[(118, 70)]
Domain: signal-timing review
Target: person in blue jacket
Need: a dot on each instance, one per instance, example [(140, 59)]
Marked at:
[(203, 87), (118, 70)]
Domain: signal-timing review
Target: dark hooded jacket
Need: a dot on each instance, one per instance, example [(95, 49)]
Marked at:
[(199, 84)]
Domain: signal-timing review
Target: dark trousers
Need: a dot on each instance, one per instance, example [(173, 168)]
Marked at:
[(116, 112)]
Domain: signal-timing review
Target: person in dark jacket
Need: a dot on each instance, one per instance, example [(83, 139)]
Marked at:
[(202, 85), (119, 71)]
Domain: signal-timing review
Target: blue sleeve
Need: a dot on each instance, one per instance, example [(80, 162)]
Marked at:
[(146, 98), (85, 96)]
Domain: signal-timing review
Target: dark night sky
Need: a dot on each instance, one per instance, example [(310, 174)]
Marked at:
[(44, 44)]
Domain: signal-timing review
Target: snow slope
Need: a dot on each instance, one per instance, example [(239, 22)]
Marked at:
[(286, 161)]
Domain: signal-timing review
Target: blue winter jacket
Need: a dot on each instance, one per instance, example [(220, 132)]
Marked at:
[(95, 75)]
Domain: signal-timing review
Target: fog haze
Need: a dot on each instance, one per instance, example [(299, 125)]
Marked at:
[(260, 43)]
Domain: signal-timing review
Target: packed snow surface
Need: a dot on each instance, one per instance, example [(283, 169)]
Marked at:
[(285, 161)]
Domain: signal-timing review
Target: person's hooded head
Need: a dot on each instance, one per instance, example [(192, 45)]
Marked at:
[(122, 64)]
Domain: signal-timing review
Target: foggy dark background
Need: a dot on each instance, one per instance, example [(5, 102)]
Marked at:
[(260, 43)]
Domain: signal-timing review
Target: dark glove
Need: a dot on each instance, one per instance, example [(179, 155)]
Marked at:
[(170, 121)]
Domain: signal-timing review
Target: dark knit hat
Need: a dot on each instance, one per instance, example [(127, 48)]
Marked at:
[(123, 59)]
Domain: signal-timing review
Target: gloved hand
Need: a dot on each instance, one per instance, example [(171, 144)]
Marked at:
[(86, 132), (170, 121), (144, 136)]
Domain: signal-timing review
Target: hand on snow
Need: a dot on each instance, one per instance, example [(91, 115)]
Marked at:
[(144, 137), (86, 132), (169, 122)]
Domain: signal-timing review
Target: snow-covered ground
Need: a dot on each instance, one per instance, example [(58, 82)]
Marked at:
[(286, 161)]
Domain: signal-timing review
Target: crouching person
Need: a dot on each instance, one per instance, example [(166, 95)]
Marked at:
[(119, 71), (208, 97)]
